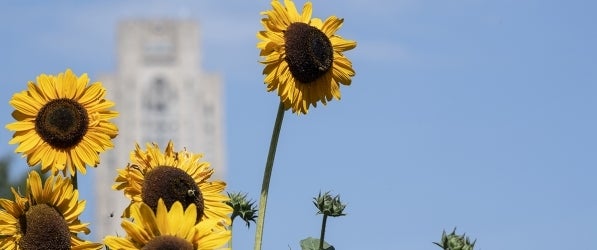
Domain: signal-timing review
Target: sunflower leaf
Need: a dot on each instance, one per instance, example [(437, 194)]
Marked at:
[(313, 244)]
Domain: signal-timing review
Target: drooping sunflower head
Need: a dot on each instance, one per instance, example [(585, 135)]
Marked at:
[(46, 218), (62, 122), (304, 58), (172, 176), (173, 228)]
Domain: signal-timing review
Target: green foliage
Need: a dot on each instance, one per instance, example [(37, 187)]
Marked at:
[(454, 241), (4, 172), (19, 184), (313, 244), (5, 183)]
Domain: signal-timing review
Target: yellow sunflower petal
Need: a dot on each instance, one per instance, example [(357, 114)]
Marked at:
[(29, 142), (36, 93), (291, 11), (341, 44), (8, 243), (331, 25), (279, 14), (307, 12), (115, 242), (161, 218), (82, 81), (20, 126), (46, 84), (34, 183), (86, 245), (188, 221), (317, 23), (136, 232), (212, 235), (149, 220), (24, 105), (174, 217), (68, 86)]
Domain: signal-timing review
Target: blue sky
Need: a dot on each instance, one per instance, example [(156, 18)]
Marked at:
[(472, 114)]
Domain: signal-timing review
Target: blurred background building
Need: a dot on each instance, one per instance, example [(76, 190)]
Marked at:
[(162, 94)]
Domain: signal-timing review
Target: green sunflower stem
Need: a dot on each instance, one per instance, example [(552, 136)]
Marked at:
[(267, 176), (325, 219), (231, 232)]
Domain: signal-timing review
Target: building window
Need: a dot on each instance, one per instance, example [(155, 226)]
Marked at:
[(160, 114)]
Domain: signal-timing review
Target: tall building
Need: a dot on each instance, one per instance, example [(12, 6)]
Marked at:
[(161, 94)]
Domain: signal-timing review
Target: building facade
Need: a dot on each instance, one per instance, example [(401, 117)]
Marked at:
[(161, 94)]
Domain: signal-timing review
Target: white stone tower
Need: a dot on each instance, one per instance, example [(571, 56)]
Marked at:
[(161, 95)]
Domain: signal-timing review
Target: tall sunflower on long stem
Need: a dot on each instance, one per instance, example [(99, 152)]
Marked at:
[(62, 122), (303, 57), (305, 63)]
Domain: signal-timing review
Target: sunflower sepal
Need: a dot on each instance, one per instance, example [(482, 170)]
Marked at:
[(243, 207), (329, 205)]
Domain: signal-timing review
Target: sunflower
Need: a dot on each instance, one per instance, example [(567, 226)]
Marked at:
[(303, 57), (62, 123), (168, 229), (46, 218), (173, 176)]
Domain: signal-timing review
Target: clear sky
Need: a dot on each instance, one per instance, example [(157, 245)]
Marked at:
[(473, 114)]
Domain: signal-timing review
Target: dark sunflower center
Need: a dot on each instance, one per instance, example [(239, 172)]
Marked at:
[(168, 242), (44, 228), (171, 184), (309, 52), (62, 123)]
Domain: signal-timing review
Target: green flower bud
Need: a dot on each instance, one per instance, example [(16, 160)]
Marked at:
[(453, 241), (243, 207), (328, 205)]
